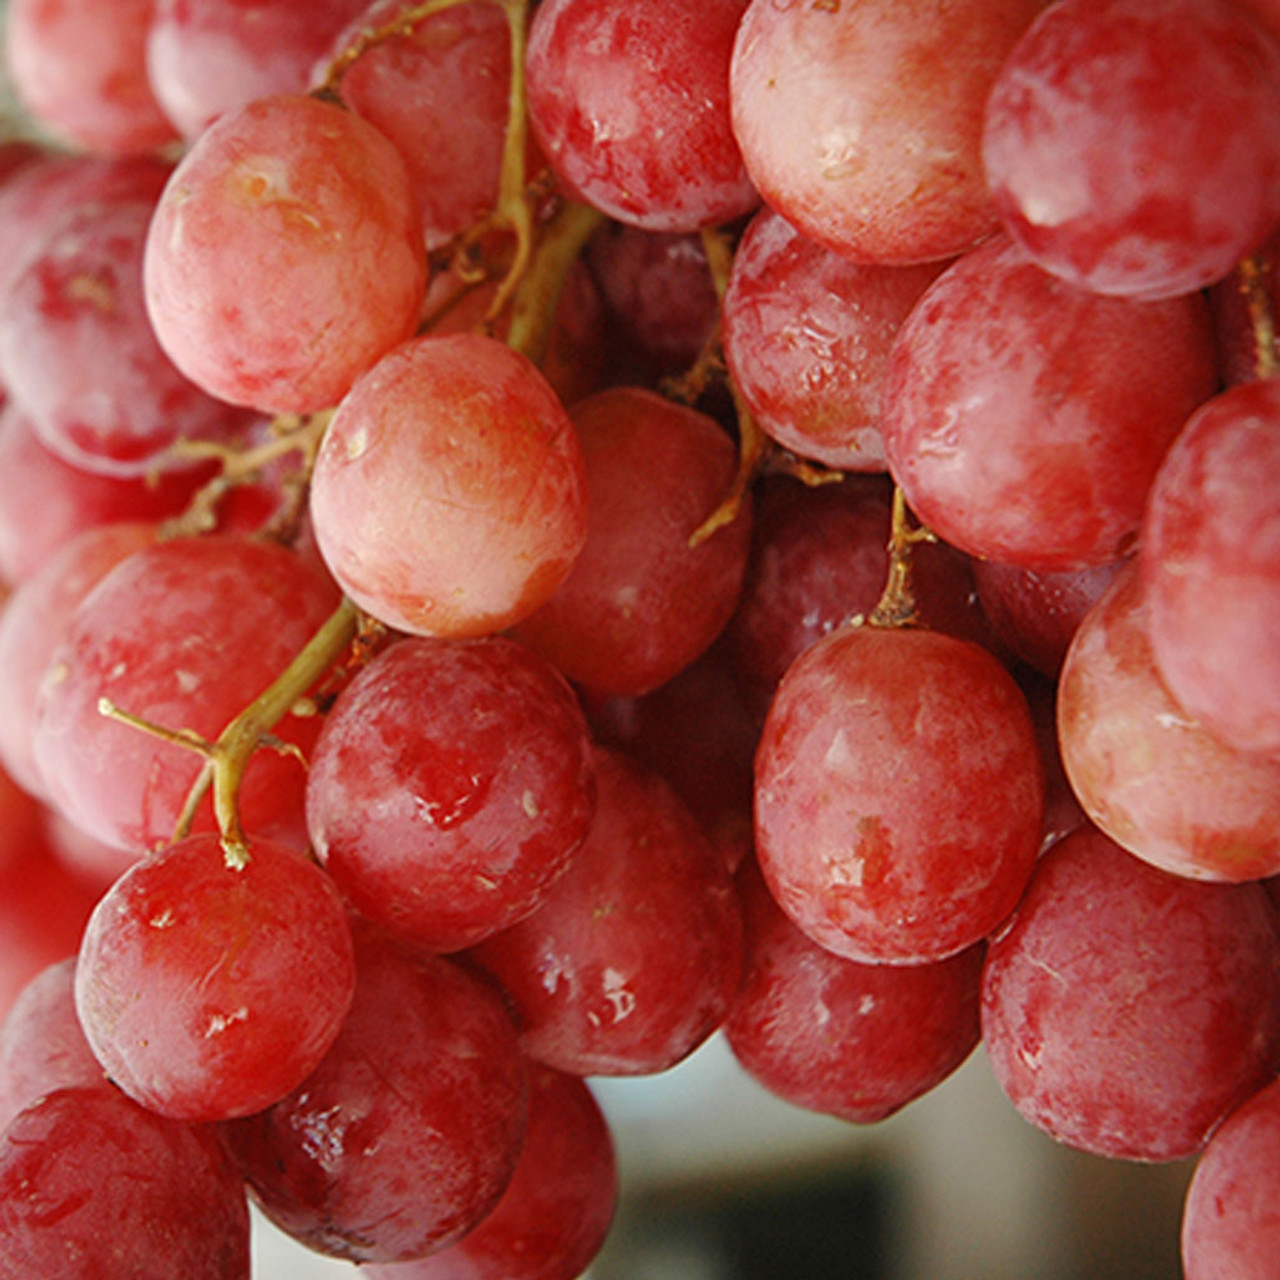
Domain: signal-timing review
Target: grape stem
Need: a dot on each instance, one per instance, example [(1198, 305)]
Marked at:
[(897, 604), (1254, 273)]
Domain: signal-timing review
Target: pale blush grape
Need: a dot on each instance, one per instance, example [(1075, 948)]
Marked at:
[(91, 1184), (184, 634), (807, 336), (207, 58), (1126, 1010), (209, 991), (408, 1131), (641, 603), (633, 958), (630, 105), (1147, 772), (1025, 419), (899, 794), (1210, 563), (79, 66), (556, 1211), (449, 497), (449, 788), (861, 123), (285, 256), (858, 1041), (1131, 146), (1230, 1230)]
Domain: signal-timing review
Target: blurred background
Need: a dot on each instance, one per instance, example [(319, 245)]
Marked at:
[(720, 1181)]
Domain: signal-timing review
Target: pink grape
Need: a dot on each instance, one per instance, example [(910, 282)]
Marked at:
[(1229, 1226), (634, 957), (641, 603), (79, 357), (1130, 145), (91, 1184), (449, 497), (630, 105), (184, 634), (1210, 563), (1148, 773), (807, 335), (79, 67), (34, 618), (408, 1131), (285, 256), (42, 1047), (861, 124), (857, 1041), (1025, 419), (440, 92), (449, 788), (1126, 1010), (205, 59), (899, 794), (208, 990), (556, 1211)]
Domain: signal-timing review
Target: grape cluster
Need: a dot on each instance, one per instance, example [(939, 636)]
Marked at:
[(537, 532)]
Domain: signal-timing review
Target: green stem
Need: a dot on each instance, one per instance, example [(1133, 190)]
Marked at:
[(897, 605)]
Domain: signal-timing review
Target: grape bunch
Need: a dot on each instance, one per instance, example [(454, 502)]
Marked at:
[(539, 532)]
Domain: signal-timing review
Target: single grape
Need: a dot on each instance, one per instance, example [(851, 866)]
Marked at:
[(407, 1133), (79, 67), (1210, 563), (449, 496), (209, 990), (1230, 1230), (861, 124), (1129, 145), (449, 788), (556, 1211), (1025, 418), (93, 1185), (285, 256), (206, 59), (42, 1047), (1147, 772), (184, 634), (641, 603), (807, 335), (633, 959), (899, 794), (1125, 1011), (630, 105), (857, 1041)]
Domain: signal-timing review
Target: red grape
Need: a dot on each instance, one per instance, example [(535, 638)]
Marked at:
[(1230, 1230), (853, 1040), (285, 255), (1025, 419), (407, 1133), (184, 634), (630, 104), (633, 959), (899, 794), (1130, 145), (79, 67), (861, 123), (92, 1185), (449, 497), (641, 603), (1154, 778), (557, 1208), (449, 788), (209, 990), (1210, 560), (1126, 1010)]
